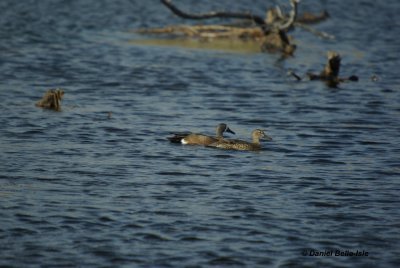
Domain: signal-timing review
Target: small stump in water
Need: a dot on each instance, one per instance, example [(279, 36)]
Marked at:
[(330, 74), (51, 100)]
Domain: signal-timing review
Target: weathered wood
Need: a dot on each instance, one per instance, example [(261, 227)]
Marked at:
[(314, 31), (270, 32), (51, 99), (208, 31), (218, 14), (330, 73)]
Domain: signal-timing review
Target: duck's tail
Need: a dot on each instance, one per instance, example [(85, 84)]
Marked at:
[(177, 138)]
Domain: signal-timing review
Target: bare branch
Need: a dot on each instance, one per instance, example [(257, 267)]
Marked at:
[(218, 14), (292, 16), (292, 73), (314, 31)]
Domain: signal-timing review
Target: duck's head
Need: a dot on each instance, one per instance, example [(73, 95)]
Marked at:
[(221, 128), (260, 134)]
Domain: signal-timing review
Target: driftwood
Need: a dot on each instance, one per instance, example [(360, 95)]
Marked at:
[(208, 31), (330, 73), (51, 99), (219, 14), (271, 36), (270, 32)]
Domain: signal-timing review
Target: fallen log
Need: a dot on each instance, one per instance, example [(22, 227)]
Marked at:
[(270, 33), (271, 36)]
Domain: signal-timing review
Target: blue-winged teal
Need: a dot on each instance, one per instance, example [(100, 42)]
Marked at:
[(231, 144), (200, 139)]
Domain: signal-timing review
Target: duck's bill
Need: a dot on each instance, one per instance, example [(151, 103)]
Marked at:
[(230, 131), (267, 138)]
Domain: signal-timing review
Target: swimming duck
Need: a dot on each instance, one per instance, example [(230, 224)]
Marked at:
[(232, 144), (200, 139)]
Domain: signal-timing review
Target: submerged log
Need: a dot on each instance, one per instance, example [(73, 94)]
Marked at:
[(270, 32), (272, 36), (207, 31), (51, 99)]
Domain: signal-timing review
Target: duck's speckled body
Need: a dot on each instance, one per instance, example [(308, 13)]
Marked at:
[(233, 144)]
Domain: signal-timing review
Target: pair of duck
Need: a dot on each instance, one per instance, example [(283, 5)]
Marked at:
[(219, 141)]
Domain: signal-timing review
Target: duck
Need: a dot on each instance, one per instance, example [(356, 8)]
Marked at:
[(200, 139), (234, 144)]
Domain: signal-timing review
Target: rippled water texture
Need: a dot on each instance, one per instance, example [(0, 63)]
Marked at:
[(80, 188)]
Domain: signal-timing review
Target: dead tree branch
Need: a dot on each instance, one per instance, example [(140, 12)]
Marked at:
[(271, 31), (217, 14), (282, 25), (314, 31), (214, 14), (292, 16)]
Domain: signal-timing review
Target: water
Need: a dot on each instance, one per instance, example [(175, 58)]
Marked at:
[(81, 189)]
